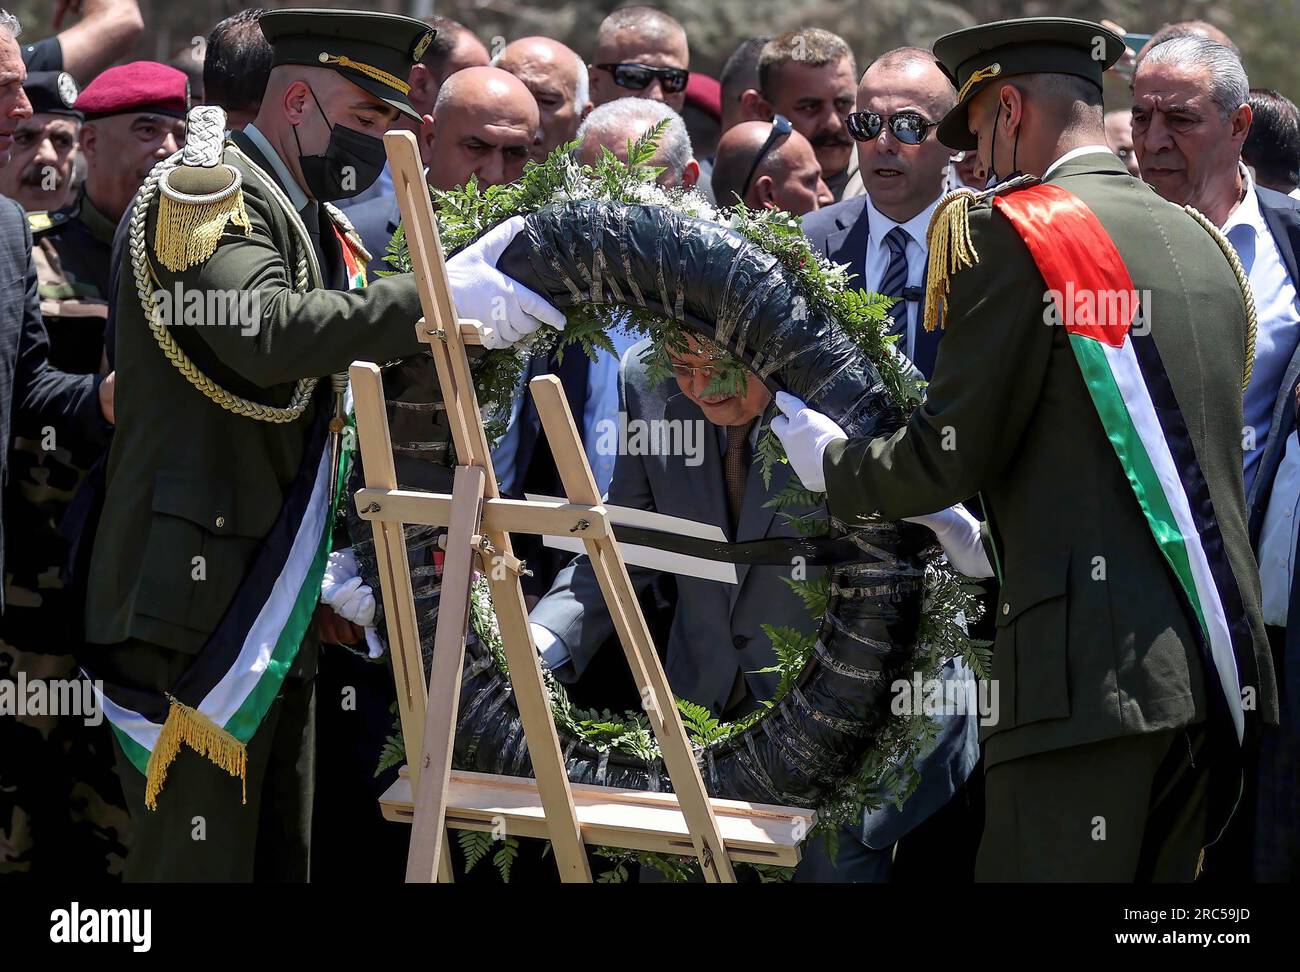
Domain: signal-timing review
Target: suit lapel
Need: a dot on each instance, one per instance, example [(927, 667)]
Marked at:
[(848, 244)]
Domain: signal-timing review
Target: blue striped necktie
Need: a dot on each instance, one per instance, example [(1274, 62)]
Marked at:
[(894, 282)]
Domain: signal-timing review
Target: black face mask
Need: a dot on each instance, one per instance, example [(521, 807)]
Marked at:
[(351, 163)]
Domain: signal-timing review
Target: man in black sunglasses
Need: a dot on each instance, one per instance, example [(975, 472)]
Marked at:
[(640, 52), (882, 234)]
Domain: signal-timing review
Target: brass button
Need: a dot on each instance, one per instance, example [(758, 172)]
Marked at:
[(1006, 609), (220, 521)]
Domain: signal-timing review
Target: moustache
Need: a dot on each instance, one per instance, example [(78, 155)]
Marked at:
[(828, 139), (35, 176)]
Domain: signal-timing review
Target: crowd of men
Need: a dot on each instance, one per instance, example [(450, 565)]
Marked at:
[(850, 144)]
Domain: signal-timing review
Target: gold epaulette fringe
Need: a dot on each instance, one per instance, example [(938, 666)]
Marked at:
[(187, 233), (201, 734), (948, 239)]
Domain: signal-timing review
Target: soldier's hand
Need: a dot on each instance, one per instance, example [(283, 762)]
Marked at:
[(334, 630), (805, 433), (106, 389), (506, 310)]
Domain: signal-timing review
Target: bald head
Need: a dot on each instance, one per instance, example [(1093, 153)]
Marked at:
[(787, 177), (638, 35), (557, 78), (483, 125)]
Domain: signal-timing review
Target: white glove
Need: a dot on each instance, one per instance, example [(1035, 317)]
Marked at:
[(506, 310), (344, 591), (959, 534), (805, 435)]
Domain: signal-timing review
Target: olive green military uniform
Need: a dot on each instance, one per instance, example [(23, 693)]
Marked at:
[(188, 478), (1095, 766)]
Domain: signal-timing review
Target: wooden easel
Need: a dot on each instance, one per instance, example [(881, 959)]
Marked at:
[(479, 524)]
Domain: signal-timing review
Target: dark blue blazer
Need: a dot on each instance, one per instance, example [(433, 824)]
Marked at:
[(840, 233), (1282, 215), (1277, 805), (34, 395)]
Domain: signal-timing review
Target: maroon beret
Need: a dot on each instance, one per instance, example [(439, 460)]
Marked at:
[(704, 94), (138, 86)]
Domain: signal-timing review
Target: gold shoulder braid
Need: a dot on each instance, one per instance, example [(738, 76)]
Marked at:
[(201, 225), (199, 196), (1242, 281), (949, 243)]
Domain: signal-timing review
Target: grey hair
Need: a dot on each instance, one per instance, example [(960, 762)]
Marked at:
[(9, 23), (1229, 86), (616, 121), (581, 89)]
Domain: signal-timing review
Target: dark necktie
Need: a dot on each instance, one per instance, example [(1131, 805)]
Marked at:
[(735, 468), (894, 282)]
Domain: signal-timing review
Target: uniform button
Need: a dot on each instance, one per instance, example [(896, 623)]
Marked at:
[(739, 641), (1006, 609), (220, 521)]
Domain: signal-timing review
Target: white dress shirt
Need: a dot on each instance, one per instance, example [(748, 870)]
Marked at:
[(877, 259)]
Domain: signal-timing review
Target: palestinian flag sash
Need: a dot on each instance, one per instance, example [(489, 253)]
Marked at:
[(221, 700), (1096, 302)]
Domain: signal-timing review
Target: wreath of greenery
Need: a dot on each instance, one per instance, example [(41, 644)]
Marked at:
[(888, 772)]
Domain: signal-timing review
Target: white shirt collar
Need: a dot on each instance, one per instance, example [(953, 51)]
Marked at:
[(1075, 153), (1247, 213), (291, 188), (878, 224)]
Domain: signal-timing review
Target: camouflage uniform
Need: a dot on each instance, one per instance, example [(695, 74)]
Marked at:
[(61, 805)]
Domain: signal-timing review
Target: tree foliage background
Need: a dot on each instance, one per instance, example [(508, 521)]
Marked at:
[(1267, 31)]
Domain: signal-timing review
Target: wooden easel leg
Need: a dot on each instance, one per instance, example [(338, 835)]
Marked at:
[(428, 844), (539, 726), (390, 555), (620, 597)]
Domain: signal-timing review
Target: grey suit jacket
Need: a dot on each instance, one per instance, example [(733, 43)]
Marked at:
[(716, 629)]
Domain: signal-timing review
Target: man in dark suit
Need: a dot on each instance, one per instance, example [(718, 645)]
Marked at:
[(717, 648), (1123, 709), (1191, 117), (882, 235), (68, 413)]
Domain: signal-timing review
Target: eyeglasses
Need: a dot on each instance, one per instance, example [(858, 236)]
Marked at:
[(639, 76), (781, 127), (909, 127), (688, 372)]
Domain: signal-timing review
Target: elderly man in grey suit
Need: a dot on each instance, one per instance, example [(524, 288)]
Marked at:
[(717, 649)]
